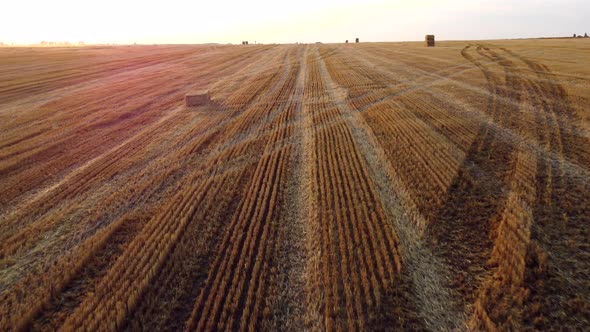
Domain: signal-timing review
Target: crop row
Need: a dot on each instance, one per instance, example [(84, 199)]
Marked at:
[(191, 258), (160, 239), (77, 185), (425, 159), (127, 156), (507, 164), (239, 280), (357, 247), (97, 110)]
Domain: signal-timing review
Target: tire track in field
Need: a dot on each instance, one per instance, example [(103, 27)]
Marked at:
[(423, 274), (460, 230), (418, 83), (542, 139), (436, 79), (557, 265), (507, 134), (511, 133), (519, 264), (496, 305)]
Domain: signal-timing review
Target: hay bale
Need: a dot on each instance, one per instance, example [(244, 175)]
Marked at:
[(346, 41), (357, 40), (429, 40), (197, 98)]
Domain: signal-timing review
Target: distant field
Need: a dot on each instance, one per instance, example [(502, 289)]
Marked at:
[(326, 187)]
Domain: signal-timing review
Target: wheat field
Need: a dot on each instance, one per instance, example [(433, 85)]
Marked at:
[(370, 186)]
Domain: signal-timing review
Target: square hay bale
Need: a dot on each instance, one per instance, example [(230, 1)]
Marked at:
[(429, 40), (197, 98)]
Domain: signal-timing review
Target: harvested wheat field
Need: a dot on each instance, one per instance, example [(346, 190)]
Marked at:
[(373, 186)]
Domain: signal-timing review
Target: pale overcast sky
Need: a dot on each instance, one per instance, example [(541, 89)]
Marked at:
[(231, 21)]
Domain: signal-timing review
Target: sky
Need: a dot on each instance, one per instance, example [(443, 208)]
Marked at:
[(306, 21)]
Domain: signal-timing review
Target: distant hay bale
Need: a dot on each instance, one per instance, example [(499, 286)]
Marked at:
[(197, 98), (429, 40), (357, 40), (346, 41)]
